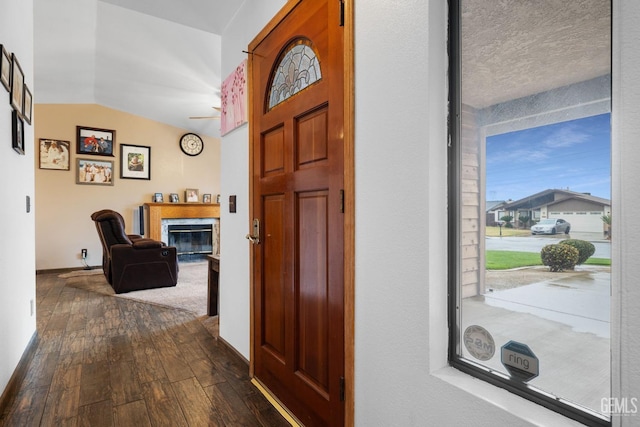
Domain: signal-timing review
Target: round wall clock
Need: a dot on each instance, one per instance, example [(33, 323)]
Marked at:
[(191, 144)]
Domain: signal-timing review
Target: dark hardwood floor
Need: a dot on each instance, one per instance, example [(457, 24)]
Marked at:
[(106, 361)]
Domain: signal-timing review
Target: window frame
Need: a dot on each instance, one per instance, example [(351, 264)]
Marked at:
[(455, 359)]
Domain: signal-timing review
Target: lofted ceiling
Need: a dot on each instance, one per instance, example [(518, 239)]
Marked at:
[(159, 59)]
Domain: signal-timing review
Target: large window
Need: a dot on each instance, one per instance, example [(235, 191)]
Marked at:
[(530, 200)]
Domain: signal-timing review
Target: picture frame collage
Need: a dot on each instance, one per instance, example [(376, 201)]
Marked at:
[(20, 97), (94, 169), (98, 143)]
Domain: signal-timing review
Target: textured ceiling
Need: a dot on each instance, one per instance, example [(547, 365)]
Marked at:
[(516, 48), (161, 59)]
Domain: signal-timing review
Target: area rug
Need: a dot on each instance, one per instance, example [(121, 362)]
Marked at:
[(189, 294)]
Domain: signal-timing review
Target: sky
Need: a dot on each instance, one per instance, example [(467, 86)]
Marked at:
[(574, 155)]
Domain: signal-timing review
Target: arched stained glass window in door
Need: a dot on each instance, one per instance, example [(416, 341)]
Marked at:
[(298, 68)]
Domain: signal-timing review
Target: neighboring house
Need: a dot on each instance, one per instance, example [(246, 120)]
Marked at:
[(495, 211), (582, 210)]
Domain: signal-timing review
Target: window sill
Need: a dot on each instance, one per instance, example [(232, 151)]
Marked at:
[(502, 399)]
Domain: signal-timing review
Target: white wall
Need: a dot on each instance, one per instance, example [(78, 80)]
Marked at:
[(17, 283), (402, 376), (625, 250), (234, 180), (401, 369)]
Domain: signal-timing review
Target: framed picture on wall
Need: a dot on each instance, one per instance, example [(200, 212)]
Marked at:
[(5, 68), (135, 162), (94, 172), (54, 154), (28, 105), (94, 141), (17, 132), (17, 85)]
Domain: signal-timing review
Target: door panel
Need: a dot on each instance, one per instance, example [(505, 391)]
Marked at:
[(312, 287), (273, 291), (273, 152), (297, 180), (311, 143)]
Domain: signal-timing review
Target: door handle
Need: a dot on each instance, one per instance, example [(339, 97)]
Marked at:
[(254, 236)]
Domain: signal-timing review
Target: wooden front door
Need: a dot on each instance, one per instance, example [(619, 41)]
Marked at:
[(297, 99)]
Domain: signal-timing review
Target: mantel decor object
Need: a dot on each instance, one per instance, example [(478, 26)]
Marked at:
[(191, 195)]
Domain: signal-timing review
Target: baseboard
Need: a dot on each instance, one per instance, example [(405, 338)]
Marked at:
[(19, 374), (232, 348), (66, 270)]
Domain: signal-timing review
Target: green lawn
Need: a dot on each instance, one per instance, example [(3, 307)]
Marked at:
[(506, 232), (504, 260)]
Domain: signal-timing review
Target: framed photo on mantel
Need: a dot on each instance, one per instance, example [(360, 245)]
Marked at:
[(191, 195)]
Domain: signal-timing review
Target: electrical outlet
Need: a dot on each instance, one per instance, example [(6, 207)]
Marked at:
[(84, 253)]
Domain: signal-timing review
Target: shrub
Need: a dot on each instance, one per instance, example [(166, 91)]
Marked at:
[(585, 249), (507, 219), (559, 257)]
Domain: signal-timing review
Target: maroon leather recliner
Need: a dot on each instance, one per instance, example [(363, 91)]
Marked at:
[(131, 262)]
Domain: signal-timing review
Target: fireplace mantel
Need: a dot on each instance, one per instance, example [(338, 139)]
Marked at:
[(156, 212)]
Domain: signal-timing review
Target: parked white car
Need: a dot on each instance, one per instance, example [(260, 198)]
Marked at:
[(551, 226)]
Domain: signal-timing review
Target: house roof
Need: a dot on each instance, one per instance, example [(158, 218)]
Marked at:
[(491, 205), (551, 197)]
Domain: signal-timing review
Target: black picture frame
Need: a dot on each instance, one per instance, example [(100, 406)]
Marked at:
[(95, 141), (135, 161), (17, 132), (158, 198), (28, 105), (17, 85), (5, 68)]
